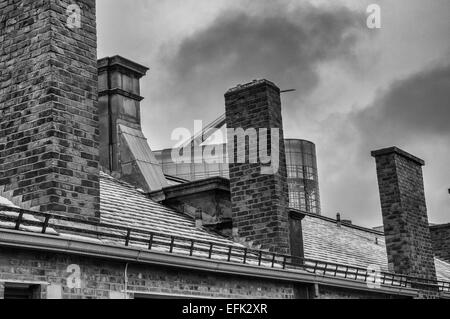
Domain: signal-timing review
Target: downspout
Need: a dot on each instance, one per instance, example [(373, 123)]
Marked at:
[(125, 290), (125, 276), (110, 122)]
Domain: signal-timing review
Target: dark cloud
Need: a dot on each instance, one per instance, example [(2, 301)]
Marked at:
[(418, 106), (283, 46), (413, 114), (190, 71)]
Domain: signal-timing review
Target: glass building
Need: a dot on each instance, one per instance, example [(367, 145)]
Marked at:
[(301, 162), (303, 179)]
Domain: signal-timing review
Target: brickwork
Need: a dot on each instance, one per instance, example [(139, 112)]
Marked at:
[(105, 278), (405, 219), (440, 237), (327, 292), (48, 106), (258, 201)]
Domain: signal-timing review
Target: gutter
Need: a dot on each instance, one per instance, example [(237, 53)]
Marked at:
[(48, 243)]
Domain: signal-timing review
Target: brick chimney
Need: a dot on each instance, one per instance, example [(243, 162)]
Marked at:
[(405, 219), (124, 151), (48, 106), (440, 237), (259, 194)]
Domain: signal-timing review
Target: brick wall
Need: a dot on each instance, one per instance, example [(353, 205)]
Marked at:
[(48, 106), (105, 278), (328, 292), (405, 219), (440, 237), (258, 201)]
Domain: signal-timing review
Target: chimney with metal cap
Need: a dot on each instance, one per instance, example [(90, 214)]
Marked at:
[(124, 150)]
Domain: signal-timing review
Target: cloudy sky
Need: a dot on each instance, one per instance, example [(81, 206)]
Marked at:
[(358, 89)]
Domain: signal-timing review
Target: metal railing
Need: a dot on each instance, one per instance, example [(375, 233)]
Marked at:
[(19, 219)]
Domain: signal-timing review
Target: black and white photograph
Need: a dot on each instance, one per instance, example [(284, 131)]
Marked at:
[(225, 157)]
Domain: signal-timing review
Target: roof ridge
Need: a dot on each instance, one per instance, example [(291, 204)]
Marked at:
[(330, 219)]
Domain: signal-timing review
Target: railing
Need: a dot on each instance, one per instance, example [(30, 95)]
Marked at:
[(18, 219)]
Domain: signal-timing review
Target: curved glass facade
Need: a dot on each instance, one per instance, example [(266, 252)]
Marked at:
[(303, 180), (301, 167)]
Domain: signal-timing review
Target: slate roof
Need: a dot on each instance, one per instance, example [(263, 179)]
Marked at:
[(324, 240), (123, 205)]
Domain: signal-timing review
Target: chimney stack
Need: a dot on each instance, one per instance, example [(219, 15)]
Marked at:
[(48, 106), (124, 151), (259, 193), (405, 219)]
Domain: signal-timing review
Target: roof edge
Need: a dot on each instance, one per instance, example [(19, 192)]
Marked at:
[(440, 226), (119, 61), (398, 151), (331, 220), (198, 186), (63, 245)]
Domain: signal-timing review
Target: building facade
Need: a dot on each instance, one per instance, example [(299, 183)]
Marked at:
[(79, 223)]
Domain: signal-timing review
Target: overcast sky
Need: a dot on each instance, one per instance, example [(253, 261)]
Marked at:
[(358, 89)]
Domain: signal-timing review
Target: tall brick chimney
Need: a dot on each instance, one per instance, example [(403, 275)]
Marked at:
[(48, 105), (259, 200), (405, 219)]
